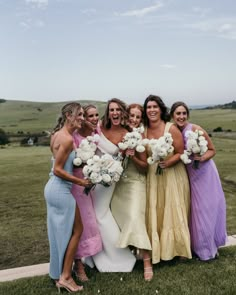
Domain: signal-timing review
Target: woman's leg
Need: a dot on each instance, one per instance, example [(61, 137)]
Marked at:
[(66, 281), (79, 270), (148, 272)]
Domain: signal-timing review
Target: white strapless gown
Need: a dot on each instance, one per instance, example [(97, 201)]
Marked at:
[(111, 258)]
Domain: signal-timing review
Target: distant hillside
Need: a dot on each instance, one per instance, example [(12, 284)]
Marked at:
[(22, 118), (230, 105), (33, 117)]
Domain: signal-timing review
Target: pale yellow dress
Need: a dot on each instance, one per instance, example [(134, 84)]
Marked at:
[(128, 207), (168, 200)]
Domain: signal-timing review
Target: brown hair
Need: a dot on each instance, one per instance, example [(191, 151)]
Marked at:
[(106, 122), (69, 108), (164, 111), (176, 105)]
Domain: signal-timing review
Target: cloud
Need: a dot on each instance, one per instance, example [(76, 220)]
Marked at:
[(29, 23), (143, 11), (89, 11), (221, 27), (37, 3), (168, 66), (202, 12)]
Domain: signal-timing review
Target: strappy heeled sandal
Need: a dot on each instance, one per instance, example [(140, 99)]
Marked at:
[(69, 285), (148, 272), (80, 272)]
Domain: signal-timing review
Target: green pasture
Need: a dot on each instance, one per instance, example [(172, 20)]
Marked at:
[(24, 172), (210, 119), (33, 117), (23, 235), (176, 277)]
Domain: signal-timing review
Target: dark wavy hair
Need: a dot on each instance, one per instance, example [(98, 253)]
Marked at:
[(106, 122), (179, 104), (69, 108), (164, 110)]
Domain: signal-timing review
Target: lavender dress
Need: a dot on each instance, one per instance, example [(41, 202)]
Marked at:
[(90, 242), (208, 208)]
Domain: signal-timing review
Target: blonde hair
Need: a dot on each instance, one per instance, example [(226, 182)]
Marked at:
[(70, 108)]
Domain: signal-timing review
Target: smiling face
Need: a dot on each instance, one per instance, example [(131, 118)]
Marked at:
[(135, 117), (76, 118), (153, 111), (91, 118), (180, 116), (114, 113)]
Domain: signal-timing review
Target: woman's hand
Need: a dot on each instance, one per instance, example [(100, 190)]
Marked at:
[(130, 152), (199, 158), (85, 182), (163, 164)]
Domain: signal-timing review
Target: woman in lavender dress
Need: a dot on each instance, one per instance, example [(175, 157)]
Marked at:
[(208, 208), (90, 241)]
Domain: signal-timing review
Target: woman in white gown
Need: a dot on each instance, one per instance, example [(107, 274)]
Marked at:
[(111, 258)]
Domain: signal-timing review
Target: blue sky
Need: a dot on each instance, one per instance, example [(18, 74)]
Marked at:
[(58, 50)]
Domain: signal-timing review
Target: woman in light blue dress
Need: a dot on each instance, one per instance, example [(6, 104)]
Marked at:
[(63, 217)]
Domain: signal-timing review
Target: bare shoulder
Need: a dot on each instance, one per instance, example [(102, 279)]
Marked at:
[(197, 127), (174, 129)]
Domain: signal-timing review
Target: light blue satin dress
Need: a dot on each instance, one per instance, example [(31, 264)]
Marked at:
[(60, 216)]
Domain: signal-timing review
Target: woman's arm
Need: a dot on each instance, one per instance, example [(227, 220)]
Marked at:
[(210, 153), (62, 154), (178, 145)]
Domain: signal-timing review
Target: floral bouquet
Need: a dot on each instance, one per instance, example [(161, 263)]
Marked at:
[(196, 144), (132, 140), (86, 150), (104, 170), (160, 148)]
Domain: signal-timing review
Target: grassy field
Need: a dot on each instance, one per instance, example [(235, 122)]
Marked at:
[(24, 172), (191, 277), (36, 117)]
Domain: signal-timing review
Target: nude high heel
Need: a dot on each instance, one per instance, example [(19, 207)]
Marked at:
[(69, 285)]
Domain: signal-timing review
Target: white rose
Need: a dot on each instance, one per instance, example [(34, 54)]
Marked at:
[(150, 160), (106, 178), (140, 148), (185, 159), (77, 161)]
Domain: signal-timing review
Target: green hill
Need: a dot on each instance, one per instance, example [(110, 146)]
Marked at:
[(36, 117), (33, 117)]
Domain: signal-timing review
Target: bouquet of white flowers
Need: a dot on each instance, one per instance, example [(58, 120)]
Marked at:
[(104, 170), (160, 149), (132, 140), (86, 150), (196, 144)]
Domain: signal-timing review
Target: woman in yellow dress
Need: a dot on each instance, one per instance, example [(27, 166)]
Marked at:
[(168, 194)]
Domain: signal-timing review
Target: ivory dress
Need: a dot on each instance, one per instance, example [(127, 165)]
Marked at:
[(60, 217), (90, 242), (111, 258), (168, 200), (208, 208), (128, 207)]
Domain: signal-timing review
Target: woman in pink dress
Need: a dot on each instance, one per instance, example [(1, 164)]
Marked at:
[(208, 208), (90, 242)]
